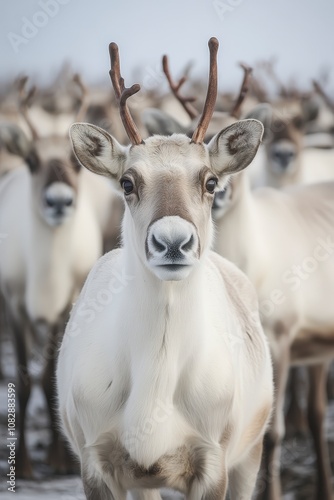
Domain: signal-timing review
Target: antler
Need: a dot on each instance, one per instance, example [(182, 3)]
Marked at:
[(175, 87), (211, 96), (318, 88), (25, 101), (268, 66), (243, 90), (84, 98), (122, 94)]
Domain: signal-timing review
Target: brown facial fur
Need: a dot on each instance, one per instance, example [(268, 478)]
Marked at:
[(52, 160), (285, 130), (164, 187)]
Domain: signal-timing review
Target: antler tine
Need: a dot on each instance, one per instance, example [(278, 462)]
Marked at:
[(25, 101), (122, 95), (211, 96), (175, 87), (84, 98), (318, 88), (269, 68), (243, 90)]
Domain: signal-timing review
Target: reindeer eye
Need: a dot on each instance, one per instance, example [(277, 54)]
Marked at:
[(211, 185), (127, 185)]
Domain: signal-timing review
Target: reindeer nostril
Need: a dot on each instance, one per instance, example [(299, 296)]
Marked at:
[(50, 202), (188, 245), (68, 202), (160, 247)]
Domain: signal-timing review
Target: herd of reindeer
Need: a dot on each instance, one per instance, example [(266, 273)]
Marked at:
[(164, 326)]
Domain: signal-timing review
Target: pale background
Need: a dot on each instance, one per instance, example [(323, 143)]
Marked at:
[(299, 32)]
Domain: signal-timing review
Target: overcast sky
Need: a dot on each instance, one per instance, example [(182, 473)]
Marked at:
[(36, 40)]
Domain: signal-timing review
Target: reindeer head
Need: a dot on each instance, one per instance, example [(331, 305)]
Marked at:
[(53, 172), (168, 182), (54, 176), (283, 149), (52, 165)]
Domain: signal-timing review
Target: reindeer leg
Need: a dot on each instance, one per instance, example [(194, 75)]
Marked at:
[(60, 457), (316, 414), (217, 493), (23, 463), (295, 419), (1, 340), (272, 443), (330, 385), (243, 477), (209, 478), (3, 330), (99, 487)]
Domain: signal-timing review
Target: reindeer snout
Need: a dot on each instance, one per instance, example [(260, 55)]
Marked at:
[(172, 240), (59, 200), (283, 158), (59, 204), (172, 250)]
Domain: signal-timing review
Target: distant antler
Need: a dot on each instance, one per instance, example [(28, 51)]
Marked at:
[(25, 101), (84, 98), (318, 88), (175, 87), (236, 111), (268, 66), (211, 96), (122, 94)]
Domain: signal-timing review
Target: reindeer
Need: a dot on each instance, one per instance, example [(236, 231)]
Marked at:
[(51, 210), (287, 157), (284, 244), (171, 383)]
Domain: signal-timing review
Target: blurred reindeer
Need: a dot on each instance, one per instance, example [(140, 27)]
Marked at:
[(57, 216), (299, 323)]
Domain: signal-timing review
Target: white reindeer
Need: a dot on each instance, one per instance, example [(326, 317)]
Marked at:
[(51, 212), (170, 383), (285, 245)]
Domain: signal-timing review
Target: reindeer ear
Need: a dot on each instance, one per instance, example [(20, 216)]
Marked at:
[(234, 148), (161, 123), (14, 140), (98, 151)]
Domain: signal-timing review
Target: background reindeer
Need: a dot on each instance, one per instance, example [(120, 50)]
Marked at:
[(55, 215)]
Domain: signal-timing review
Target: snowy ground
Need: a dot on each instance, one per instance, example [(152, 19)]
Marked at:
[(298, 460)]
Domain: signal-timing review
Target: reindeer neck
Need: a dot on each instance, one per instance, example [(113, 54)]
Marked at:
[(237, 228), (49, 254), (165, 337)]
